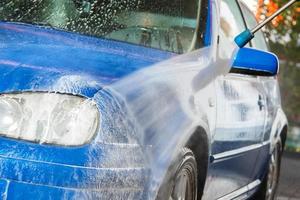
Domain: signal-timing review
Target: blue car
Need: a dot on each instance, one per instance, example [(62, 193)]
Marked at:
[(136, 99)]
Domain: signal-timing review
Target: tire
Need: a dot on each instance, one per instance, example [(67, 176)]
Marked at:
[(181, 179), (269, 185)]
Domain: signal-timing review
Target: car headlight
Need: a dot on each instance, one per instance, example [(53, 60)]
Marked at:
[(51, 118)]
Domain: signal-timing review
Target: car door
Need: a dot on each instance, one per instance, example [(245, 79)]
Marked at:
[(271, 91), (240, 119)]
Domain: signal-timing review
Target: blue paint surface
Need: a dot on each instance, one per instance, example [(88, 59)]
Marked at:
[(21, 190), (208, 32), (257, 61), (3, 187), (34, 58)]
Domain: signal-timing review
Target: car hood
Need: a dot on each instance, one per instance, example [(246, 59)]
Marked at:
[(43, 59)]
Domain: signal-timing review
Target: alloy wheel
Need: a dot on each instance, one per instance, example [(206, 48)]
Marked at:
[(185, 187), (273, 174)]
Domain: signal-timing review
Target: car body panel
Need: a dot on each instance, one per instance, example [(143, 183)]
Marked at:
[(107, 150), (21, 190), (57, 54), (131, 87), (237, 138)]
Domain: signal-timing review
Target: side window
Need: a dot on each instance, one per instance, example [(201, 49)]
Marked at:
[(258, 41), (231, 19)]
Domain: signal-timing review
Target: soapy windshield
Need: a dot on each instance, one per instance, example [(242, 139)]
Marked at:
[(168, 25)]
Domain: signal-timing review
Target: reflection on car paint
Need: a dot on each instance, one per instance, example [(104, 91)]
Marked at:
[(150, 103)]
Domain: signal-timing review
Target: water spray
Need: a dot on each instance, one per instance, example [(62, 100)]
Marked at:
[(243, 38)]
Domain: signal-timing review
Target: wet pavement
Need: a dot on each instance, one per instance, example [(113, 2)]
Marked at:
[(289, 185)]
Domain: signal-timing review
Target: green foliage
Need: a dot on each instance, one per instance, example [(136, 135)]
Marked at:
[(284, 31)]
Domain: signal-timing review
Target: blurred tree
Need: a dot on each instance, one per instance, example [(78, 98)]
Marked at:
[(284, 31), (284, 40)]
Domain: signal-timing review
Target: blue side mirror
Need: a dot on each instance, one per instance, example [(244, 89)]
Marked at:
[(255, 62)]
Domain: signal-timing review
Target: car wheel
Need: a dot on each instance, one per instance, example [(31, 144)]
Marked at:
[(270, 182), (181, 180)]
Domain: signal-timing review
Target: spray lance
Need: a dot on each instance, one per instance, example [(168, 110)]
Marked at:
[(243, 38)]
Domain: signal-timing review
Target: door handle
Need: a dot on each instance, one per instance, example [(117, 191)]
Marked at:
[(260, 102)]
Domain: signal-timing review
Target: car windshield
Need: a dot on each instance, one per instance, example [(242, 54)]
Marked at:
[(168, 25)]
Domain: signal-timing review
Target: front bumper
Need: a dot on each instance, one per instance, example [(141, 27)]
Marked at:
[(20, 190), (30, 178), (22, 179)]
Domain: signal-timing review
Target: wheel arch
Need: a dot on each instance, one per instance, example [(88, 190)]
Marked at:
[(199, 144), (283, 135)]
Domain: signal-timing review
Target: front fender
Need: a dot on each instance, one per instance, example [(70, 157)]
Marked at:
[(279, 123)]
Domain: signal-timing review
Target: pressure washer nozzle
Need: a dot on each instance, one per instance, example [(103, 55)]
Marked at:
[(243, 38)]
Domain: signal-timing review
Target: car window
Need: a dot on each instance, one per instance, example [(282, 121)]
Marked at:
[(164, 24), (231, 19), (258, 41)]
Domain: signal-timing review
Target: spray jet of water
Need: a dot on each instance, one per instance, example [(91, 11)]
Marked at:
[(167, 101)]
